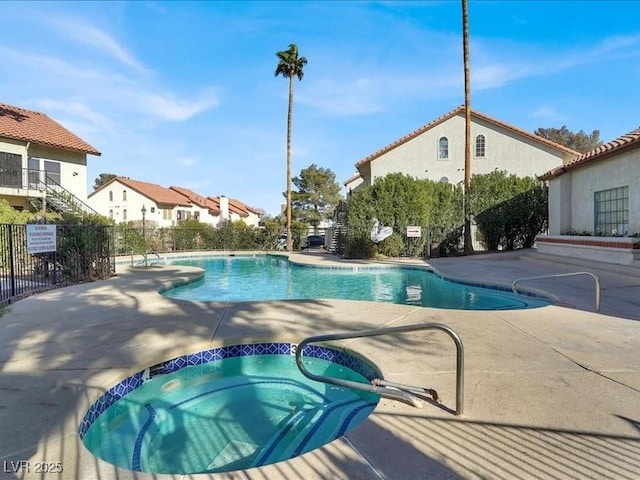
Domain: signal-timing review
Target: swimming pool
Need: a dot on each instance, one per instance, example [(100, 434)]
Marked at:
[(240, 279), (227, 408)]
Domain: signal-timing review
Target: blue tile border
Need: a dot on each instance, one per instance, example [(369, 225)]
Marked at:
[(126, 386)]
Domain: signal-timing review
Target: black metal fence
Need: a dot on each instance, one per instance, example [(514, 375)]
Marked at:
[(83, 253)]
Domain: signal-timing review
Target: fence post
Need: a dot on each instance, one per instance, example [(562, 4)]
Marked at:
[(12, 269)]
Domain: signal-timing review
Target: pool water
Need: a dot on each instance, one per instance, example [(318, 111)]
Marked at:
[(239, 279), (235, 413)]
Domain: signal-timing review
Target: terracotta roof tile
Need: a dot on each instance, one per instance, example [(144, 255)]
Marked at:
[(157, 193), (233, 206), (29, 126), (626, 142), (198, 200), (457, 111)]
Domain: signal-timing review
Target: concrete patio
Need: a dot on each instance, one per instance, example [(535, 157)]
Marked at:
[(552, 392)]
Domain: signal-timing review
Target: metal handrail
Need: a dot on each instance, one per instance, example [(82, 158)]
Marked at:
[(395, 391), (593, 275)]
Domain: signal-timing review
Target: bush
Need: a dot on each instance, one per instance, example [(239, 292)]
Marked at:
[(392, 246)]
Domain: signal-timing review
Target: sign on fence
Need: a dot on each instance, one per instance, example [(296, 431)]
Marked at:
[(41, 238), (414, 232)]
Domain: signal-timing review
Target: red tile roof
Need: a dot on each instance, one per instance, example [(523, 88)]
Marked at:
[(157, 193), (198, 200), (234, 206), (29, 126), (621, 144), (460, 111)]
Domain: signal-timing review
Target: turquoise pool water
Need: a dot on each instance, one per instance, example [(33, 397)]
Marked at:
[(239, 279), (233, 413)]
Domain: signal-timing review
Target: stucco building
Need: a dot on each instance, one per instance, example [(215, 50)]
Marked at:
[(436, 151)]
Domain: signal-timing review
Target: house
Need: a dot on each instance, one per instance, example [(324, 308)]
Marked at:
[(436, 151), (40, 159), (353, 182), (598, 193), (122, 199)]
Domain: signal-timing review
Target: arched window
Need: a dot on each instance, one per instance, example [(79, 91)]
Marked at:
[(444, 180), (124, 195), (480, 142), (443, 148), (110, 196)]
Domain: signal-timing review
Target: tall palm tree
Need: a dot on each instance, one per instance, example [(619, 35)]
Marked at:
[(468, 245), (289, 66)]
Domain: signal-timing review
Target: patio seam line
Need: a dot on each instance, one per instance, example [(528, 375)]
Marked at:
[(575, 362)]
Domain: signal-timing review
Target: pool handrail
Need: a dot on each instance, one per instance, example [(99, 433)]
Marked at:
[(392, 390), (593, 275)]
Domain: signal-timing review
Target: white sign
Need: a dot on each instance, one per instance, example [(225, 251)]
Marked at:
[(41, 238), (414, 232)]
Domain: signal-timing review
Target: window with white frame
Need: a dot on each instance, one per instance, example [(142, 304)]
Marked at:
[(110, 196), (124, 195), (480, 146), (124, 215), (611, 211), (443, 148), (166, 214)]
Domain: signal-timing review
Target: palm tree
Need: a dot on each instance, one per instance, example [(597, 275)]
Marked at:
[(289, 66), (468, 245)]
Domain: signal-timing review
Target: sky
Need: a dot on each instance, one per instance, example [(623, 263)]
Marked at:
[(184, 93)]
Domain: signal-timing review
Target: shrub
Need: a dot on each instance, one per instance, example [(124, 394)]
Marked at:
[(392, 246)]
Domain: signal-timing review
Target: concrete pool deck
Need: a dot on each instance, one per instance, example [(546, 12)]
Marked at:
[(552, 392)]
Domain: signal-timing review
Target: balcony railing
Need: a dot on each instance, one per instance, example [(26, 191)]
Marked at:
[(24, 179)]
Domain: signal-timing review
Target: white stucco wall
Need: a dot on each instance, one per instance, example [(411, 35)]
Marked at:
[(73, 167), (504, 150), (619, 171), (560, 205)]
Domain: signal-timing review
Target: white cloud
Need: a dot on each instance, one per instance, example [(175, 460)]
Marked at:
[(88, 34), (77, 110), (167, 106)]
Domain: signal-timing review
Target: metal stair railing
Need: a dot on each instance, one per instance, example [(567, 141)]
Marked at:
[(384, 388), (593, 275), (65, 197)]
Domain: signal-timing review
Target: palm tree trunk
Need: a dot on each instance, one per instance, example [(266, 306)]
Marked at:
[(468, 245), (289, 120)]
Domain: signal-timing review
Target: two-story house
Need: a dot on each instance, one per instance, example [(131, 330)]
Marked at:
[(123, 199), (436, 151), (39, 158)]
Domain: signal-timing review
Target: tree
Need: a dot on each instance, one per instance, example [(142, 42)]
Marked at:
[(317, 196), (468, 245), (102, 179), (289, 66), (581, 141)]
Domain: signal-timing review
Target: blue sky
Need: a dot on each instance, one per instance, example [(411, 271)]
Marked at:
[(184, 93)]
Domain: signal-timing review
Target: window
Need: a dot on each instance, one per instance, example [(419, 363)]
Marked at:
[(124, 195), (52, 172), (480, 142), (124, 215), (111, 214), (611, 208), (196, 215), (153, 209), (33, 164), (444, 180), (166, 214), (110, 196), (179, 217), (443, 148), (10, 170)]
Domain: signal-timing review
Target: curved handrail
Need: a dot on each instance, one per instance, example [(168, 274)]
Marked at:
[(593, 275), (377, 386)]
